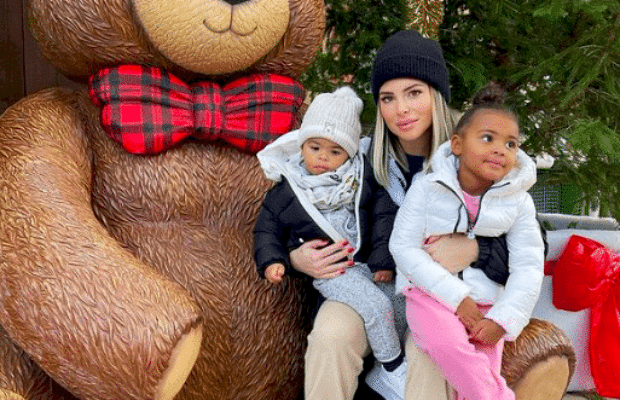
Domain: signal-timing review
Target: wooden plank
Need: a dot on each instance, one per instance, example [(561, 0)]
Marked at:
[(23, 68), (12, 85), (38, 72)]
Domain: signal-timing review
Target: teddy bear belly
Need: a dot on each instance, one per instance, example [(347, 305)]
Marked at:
[(181, 214), (198, 232), (242, 348)]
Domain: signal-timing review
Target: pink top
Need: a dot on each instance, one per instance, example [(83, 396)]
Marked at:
[(473, 204)]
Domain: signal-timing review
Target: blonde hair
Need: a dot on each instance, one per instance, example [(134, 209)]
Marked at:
[(385, 144)]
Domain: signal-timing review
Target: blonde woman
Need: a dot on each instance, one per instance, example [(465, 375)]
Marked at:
[(411, 88)]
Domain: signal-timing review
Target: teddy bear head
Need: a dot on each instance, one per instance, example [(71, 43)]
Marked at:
[(191, 38)]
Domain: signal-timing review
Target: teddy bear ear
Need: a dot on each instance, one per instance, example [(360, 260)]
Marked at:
[(79, 37), (297, 49)]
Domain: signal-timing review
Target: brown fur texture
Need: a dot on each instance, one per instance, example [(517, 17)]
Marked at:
[(107, 259), (80, 37), (67, 284), (538, 341)]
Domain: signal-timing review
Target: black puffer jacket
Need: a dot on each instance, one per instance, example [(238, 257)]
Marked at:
[(283, 225)]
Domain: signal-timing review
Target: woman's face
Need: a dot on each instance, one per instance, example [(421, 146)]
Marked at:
[(406, 105)]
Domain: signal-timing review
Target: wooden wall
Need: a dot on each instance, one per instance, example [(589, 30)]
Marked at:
[(23, 69)]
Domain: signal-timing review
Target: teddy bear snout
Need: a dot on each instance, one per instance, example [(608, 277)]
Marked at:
[(235, 2)]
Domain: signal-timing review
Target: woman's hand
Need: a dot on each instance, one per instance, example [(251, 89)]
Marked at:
[(454, 252), (319, 261)]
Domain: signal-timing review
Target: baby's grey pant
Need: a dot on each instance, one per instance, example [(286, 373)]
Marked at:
[(357, 290)]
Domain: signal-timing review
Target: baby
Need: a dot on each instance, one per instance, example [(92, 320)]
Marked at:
[(326, 190)]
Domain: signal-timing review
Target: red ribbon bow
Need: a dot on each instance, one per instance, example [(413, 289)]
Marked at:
[(148, 110), (587, 275)]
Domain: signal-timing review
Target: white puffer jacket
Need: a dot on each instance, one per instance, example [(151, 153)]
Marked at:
[(434, 205)]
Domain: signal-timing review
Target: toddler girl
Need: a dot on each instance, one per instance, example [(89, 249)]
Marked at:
[(477, 185)]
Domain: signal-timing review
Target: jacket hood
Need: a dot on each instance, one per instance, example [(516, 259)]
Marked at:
[(275, 155), (273, 160), (522, 177)]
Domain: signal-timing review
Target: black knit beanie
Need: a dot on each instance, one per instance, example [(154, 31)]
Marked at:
[(406, 54)]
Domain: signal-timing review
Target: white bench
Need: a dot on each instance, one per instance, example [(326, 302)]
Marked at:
[(574, 324)]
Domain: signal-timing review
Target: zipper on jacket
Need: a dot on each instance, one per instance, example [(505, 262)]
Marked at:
[(470, 223), (356, 203), (461, 206)]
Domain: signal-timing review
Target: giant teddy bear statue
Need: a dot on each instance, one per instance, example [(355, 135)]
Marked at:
[(127, 207)]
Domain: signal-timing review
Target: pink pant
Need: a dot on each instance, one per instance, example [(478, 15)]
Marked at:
[(472, 369)]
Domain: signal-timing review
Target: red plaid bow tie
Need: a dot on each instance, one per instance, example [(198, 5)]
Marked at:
[(148, 110)]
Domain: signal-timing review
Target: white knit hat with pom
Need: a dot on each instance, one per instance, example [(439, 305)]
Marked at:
[(334, 116)]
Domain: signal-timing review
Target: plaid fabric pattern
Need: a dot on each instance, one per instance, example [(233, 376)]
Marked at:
[(148, 110)]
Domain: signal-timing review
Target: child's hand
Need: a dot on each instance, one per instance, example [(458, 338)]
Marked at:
[(487, 332), (275, 273), (468, 313), (383, 276)]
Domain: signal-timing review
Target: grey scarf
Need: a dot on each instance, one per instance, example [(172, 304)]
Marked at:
[(332, 193)]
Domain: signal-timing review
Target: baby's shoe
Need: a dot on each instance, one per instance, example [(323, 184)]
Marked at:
[(390, 385)]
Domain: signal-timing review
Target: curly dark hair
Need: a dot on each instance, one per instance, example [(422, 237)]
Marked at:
[(490, 97)]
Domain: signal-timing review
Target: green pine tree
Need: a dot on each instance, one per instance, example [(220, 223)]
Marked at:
[(354, 30), (425, 16), (558, 59)]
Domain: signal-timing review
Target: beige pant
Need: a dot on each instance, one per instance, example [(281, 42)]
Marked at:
[(337, 346)]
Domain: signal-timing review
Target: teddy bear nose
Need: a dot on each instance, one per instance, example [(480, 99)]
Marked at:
[(235, 2)]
